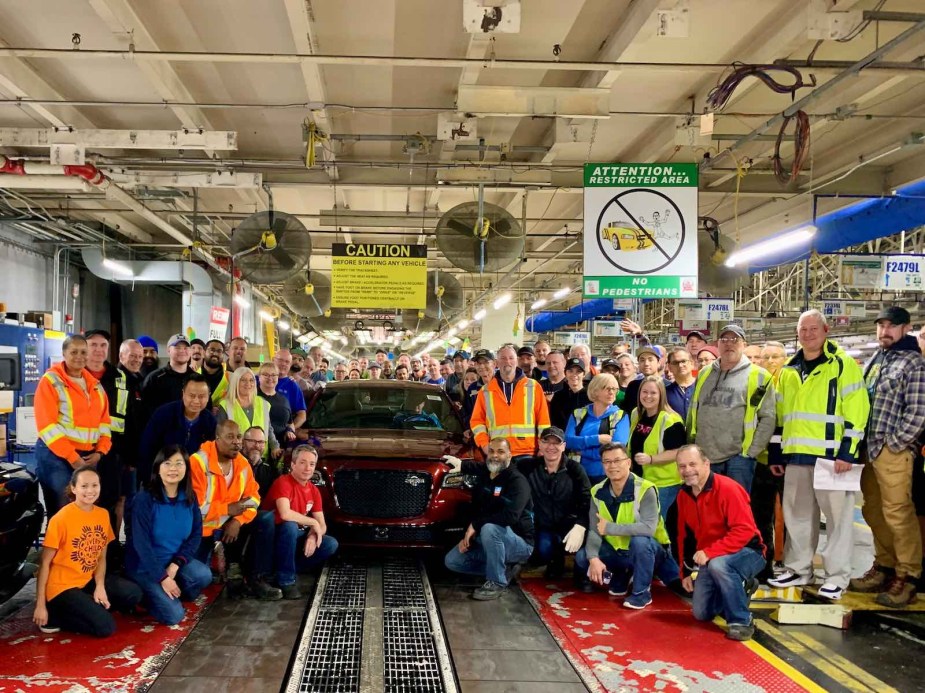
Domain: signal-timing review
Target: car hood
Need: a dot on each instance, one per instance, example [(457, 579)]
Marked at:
[(388, 445)]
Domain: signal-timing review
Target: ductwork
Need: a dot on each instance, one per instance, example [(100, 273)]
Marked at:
[(197, 284), (552, 319)]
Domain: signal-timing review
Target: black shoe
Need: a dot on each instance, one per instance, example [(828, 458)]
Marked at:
[(265, 592), (583, 584), (290, 591), (512, 572), (751, 586)]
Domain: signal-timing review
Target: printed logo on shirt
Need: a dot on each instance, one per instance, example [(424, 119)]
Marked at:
[(643, 429), (497, 491), (88, 547), (308, 506)]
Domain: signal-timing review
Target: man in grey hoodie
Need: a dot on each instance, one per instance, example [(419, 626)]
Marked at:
[(732, 413)]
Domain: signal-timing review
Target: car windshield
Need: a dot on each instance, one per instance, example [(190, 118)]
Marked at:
[(384, 407)]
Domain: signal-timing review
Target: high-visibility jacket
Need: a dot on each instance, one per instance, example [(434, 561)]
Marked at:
[(237, 414), (219, 395), (520, 421), (214, 495), (71, 420), (825, 414), (759, 381), (661, 475), (628, 513)]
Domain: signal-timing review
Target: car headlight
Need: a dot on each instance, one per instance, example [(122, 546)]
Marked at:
[(459, 480), (318, 478)]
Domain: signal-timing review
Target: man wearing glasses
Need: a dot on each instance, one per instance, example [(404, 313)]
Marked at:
[(731, 390), (340, 372), (681, 389)]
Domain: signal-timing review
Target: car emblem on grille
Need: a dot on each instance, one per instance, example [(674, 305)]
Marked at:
[(414, 480)]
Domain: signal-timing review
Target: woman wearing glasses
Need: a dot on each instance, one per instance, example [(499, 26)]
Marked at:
[(162, 537), (598, 423), (245, 408)]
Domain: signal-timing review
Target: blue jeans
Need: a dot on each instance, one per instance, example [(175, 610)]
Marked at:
[(192, 579), (54, 475), (489, 554), (739, 468), (720, 587), (249, 549), (667, 495), (548, 545), (289, 547), (644, 557)]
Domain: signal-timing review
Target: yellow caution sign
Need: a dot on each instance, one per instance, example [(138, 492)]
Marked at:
[(378, 275)]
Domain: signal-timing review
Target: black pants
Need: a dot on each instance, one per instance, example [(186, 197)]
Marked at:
[(765, 488), (74, 610)]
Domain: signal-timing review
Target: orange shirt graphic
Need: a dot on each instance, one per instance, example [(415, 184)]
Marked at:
[(79, 537)]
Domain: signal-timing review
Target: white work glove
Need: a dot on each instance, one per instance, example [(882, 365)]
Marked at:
[(454, 463), (574, 539)]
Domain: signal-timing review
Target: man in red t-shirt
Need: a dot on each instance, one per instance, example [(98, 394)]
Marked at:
[(301, 541)]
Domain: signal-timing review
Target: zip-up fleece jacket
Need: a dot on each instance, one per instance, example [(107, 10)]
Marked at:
[(160, 533)]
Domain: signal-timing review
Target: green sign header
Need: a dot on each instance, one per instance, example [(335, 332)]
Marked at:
[(639, 287), (640, 175)]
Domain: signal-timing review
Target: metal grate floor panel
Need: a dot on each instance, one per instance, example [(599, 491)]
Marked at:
[(411, 664), (402, 587), (346, 586), (334, 653)]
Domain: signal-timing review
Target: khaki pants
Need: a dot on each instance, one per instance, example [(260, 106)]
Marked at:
[(887, 487)]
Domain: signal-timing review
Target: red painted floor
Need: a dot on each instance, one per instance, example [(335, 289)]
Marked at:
[(128, 661), (661, 648)]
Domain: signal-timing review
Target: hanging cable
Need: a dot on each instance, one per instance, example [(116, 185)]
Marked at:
[(720, 94), (800, 147)]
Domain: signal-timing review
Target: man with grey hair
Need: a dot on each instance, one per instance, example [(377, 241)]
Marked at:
[(774, 356), (823, 406), (583, 352)]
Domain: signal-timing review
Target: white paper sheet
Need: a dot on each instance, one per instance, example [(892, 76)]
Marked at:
[(825, 478)]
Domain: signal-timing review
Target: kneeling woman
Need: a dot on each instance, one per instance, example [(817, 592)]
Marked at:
[(73, 591), (163, 535)]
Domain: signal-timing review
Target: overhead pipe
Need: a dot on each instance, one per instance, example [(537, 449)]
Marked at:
[(551, 319)]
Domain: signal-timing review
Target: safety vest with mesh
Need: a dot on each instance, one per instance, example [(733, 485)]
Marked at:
[(628, 513), (520, 421), (830, 406), (70, 419), (237, 414), (759, 380), (661, 475), (215, 494)]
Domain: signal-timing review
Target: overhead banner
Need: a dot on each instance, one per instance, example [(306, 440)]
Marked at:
[(711, 309), (378, 275), (640, 230)]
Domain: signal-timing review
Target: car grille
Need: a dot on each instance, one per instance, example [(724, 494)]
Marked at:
[(386, 534), (382, 493)]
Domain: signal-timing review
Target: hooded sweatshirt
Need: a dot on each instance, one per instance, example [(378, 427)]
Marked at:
[(721, 414), (895, 380)]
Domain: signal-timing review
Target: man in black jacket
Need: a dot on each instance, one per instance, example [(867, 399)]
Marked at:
[(573, 396), (561, 494), (166, 383), (500, 536)]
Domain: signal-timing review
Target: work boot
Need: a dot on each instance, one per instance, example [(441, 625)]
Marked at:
[(264, 591), (235, 581), (489, 591), (874, 580), (512, 572), (290, 591), (740, 632), (899, 594)]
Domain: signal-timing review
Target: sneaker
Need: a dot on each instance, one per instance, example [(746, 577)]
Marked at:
[(831, 592), (874, 580), (490, 590), (264, 591), (49, 630), (790, 579), (740, 632), (751, 586), (290, 591), (619, 586), (899, 594), (234, 573), (638, 600), (512, 572)]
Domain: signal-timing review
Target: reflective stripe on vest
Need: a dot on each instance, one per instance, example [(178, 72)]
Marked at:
[(628, 513), (210, 487), (118, 416), (661, 475), (64, 426), (239, 416), (757, 378), (526, 428)]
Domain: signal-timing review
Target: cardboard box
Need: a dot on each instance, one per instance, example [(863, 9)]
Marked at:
[(41, 319)]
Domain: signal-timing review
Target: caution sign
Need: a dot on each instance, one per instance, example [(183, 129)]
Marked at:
[(378, 275), (640, 237)]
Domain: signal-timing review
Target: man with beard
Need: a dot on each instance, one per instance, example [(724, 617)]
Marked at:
[(418, 374), (237, 354), (165, 384), (197, 352), (213, 370), (296, 370), (541, 350), (526, 361), (149, 362), (499, 537)]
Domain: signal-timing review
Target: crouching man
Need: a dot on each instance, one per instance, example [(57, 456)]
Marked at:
[(715, 511), (499, 539), (300, 537), (626, 535)]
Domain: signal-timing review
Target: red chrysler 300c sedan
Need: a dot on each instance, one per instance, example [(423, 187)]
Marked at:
[(380, 468)]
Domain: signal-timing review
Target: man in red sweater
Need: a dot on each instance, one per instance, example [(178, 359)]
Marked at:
[(716, 512)]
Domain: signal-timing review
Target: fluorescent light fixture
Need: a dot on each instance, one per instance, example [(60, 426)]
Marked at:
[(283, 325), (118, 267), (343, 340), (854, 352), (501, 301), (296, 333), (242, 302), (462, 324), (325, 345), (481, 314), (303, 339), (539, 303), (264, 315), (772, 246), (452, 332), (562, 293)]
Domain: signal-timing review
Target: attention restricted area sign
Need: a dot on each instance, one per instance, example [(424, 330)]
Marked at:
[(640, 237), (378, 275)]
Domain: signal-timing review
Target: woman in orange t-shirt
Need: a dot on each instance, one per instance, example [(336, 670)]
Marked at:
[(73, 591)]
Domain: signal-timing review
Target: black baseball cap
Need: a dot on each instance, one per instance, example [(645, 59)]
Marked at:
[(553, 432), (525, 351), (609, 363), (576, 363), (895, 314), (697, 333), (374, 364), (461, 355), (483, 354), (740, 333), (199, 342), (108, 337)]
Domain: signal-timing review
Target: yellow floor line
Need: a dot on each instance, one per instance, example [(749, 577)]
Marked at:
[(860, 674)]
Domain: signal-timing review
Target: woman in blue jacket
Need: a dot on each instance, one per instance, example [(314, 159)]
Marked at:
[(162, 538), (598, 423)]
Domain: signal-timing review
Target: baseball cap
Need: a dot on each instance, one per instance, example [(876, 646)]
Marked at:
[(697, 333), (660, 350), (483, 354), (576, 363), (147, 342), (609, 363), (461, 355), (98, 333), (177, 338), (738, 331), (553, 432), (710, 350), (647, 350), (199, 342), (298, 351), (525, 351), (895, 314), (374, 364)]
